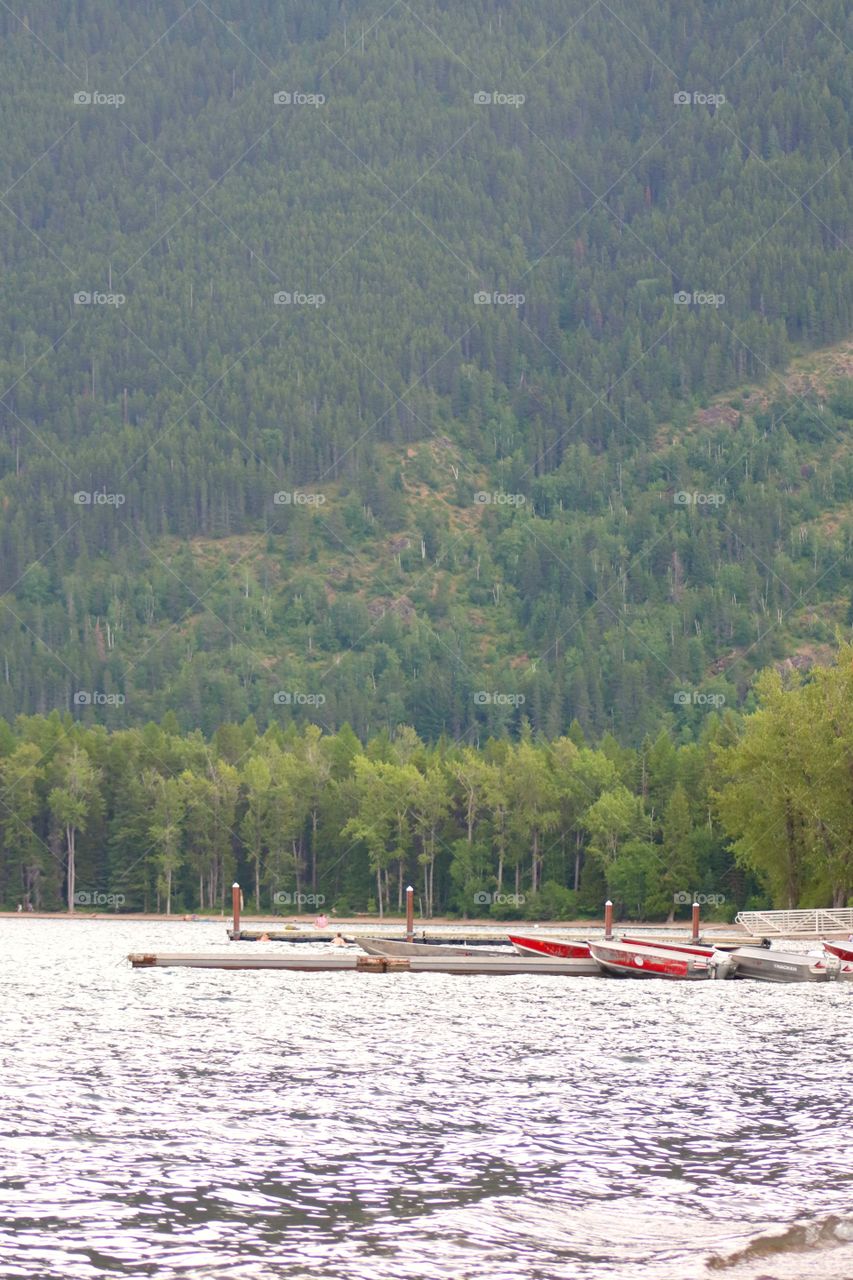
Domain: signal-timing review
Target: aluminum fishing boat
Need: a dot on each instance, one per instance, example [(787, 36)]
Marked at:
[(391, 949), (423, 957), (788, 966), (511, 962)]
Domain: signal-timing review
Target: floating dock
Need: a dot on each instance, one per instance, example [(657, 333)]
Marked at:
[(336, 962), (324, 935), (342, 960), (478, 939)]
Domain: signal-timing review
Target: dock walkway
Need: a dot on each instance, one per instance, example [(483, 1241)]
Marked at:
[(329, 961)]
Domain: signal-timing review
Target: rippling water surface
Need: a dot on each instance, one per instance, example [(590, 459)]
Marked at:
[(182, 1123)]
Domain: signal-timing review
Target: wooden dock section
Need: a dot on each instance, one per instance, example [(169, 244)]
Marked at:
[(325, 935), (484, 939), (353, 961)]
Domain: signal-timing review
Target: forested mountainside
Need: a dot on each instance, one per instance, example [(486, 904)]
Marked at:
[(424, 364)]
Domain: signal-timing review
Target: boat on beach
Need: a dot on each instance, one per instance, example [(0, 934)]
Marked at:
[(634, 959)]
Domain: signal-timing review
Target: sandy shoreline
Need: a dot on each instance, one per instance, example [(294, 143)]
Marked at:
[(306, 921)]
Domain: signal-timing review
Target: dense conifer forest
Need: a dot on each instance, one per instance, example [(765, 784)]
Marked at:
[(420, 427)]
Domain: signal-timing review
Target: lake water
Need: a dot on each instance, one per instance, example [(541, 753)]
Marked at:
[(190, 1124)]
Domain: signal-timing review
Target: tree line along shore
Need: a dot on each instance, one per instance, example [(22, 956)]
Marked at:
[(757, 811)]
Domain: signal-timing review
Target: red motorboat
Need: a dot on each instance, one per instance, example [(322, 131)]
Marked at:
[(648, 960), (844, 950), (550, 947)]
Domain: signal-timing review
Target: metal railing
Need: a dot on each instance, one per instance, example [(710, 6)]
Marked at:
[(821, 920)]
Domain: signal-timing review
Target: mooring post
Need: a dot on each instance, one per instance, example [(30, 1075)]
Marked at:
[(410, 914), (695, 921), (235, 907), (608, 920)]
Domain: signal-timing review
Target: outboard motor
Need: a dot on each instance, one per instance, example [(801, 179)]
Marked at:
[(721, 965), (832, 964)]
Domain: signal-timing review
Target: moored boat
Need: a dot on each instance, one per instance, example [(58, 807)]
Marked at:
[(843, 950), (391, 949), (788, 966), (688, 948), (648, 960), (511, 962), (549, 947)]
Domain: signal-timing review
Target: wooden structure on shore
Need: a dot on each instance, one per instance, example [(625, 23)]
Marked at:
[(818, 923)]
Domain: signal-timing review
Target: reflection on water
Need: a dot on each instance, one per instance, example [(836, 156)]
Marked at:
[(183, 1123)]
